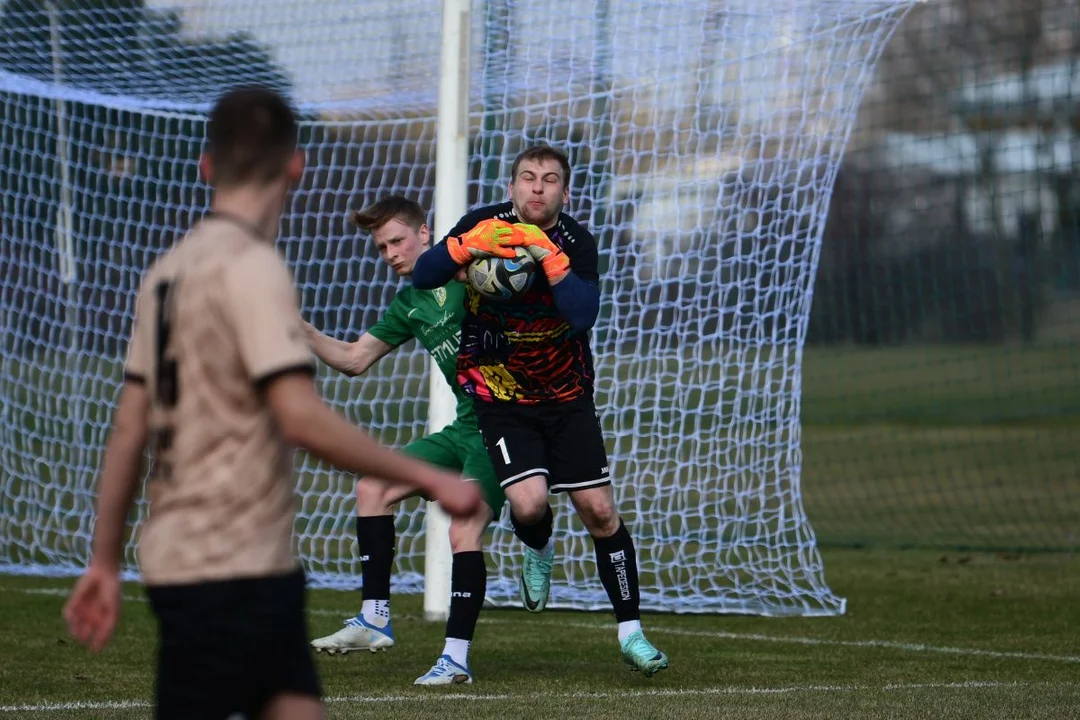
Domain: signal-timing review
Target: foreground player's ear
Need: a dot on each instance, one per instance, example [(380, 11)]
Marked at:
[(206, 169), (296, 166), (425, 234)]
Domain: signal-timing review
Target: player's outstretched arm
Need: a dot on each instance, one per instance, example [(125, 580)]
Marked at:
[(350, 358), (270, 338), (93, 609), (306, 421), (434, 268)]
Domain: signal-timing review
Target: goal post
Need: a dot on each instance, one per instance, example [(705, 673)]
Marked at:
[(451, 202)]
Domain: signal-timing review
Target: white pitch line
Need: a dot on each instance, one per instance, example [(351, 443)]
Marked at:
[(795, 640), (439, 697), (715, 635), (659, 693), (76, 705)]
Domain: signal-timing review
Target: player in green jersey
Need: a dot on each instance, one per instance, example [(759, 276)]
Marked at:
[(433, 317)]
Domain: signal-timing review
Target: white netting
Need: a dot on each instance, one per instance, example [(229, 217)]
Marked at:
[(705, 137)]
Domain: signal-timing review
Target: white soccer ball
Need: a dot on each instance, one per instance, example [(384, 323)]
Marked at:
[(503, 279)]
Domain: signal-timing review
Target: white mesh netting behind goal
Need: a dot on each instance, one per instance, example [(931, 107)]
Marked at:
[(704, 135)]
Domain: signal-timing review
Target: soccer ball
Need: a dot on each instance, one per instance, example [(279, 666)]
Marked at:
[(499, 279)]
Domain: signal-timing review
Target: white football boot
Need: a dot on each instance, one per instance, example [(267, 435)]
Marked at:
[(357, 634)]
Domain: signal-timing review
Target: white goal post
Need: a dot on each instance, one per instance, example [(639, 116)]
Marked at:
[(451, 202)]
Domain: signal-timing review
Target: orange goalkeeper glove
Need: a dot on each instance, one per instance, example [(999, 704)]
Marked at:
[(552, 259), (487, 239)]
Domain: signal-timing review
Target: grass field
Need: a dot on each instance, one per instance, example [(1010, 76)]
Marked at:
[(939, 447), (926, 635)]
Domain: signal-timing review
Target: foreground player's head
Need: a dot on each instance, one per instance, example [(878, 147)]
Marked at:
[(251, 142), (540, 185), (399, 228)]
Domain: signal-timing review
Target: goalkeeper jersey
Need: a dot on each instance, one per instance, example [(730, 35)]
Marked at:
[(523, 350), (433, 317)]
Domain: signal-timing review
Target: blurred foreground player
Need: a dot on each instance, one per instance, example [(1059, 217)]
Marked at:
[(218, 380)]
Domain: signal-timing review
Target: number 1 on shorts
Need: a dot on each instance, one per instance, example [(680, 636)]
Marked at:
[(501, 444)]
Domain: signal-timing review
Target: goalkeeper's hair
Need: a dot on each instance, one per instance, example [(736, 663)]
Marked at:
[(391, 207), (540, 153), (250, 136)]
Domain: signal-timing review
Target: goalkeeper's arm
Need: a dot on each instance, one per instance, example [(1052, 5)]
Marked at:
[(434, 268), (437, 266), (578, 300)]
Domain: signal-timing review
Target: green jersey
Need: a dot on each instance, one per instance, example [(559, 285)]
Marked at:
[(434, 318)]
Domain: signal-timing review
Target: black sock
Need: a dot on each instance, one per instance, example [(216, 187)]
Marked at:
[(375, 543), (535, 536), (616, 561), (468, 585)]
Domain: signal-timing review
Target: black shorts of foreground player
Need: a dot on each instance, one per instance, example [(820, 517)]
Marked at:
[(528, 367)]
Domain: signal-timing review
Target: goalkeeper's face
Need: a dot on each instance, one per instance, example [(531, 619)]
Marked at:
[(539, 192), (399, 244)]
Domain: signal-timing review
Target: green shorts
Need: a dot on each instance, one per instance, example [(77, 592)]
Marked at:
[(459, 447)]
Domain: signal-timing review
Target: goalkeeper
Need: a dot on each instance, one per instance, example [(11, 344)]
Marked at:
[(433, 317), (528, 367)]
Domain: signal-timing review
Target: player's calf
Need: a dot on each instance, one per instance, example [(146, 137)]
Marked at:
[(291, 706), (616, 562)]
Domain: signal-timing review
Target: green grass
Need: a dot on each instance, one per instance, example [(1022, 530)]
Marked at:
[(939, 386), (926, 635), (980, 486), (944, 447)]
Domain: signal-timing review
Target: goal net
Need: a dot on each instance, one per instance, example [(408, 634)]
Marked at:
[(704, 136)]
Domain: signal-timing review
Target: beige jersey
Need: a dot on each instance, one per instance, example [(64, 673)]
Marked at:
[(216, 318)]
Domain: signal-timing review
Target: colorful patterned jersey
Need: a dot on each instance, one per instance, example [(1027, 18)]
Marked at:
[(523, 350)]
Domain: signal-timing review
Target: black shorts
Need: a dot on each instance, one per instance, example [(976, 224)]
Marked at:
[(562, 441), (227, 647)]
